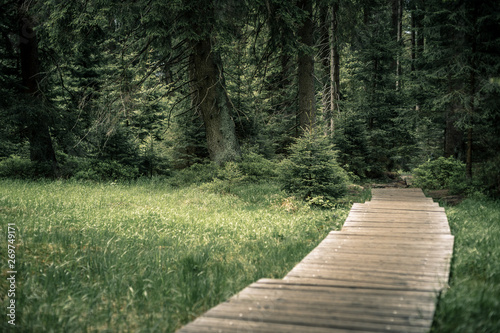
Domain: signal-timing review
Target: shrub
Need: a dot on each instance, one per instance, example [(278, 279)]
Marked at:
[(21, 168), (227, 177), (488, 176), (195, 174), (257, 167), (442, 173), (312, 169), (107, 170)]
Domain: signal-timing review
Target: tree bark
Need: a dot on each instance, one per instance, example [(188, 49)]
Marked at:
[(335, 65), (211, 101), (399, 68), (472, 82), (397, 30), (307, 100), (453, 137), (35, 117), (417, 31), (325, 57), (413, 22)]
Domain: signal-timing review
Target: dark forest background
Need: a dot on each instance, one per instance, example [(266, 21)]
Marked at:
[(123, 89)]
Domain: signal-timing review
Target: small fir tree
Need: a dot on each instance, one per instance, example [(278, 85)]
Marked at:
[(312, 170)]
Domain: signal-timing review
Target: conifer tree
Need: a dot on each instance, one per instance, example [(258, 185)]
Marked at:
[(208, 83)]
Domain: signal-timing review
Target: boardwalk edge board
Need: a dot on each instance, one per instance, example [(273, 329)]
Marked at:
[(383, 272)]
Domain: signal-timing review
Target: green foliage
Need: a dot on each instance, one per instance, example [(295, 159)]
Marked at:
[(256, 167), (312, 170), (112, 90), (442, 173), (228, 176), (21, 168), (487, 176), (195, 174), (108, 170), (231, 172), (472, 303), (351, 139), (69, 167)]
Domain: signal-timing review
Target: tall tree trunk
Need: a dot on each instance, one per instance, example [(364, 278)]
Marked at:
[(35, 117), (399, 68), (472, 82), (417, 39), (468, 159), (413, 38), (453, 137), (211, 100), (397, 30), (325, 55), (335, 65), (417, 31), (307, 103)]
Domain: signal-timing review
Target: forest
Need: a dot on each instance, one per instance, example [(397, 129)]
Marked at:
[(124, 89), (158, 156)]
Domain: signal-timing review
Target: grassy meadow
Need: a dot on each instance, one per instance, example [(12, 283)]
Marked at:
[(149, 257), (145, 256), (472, 303)]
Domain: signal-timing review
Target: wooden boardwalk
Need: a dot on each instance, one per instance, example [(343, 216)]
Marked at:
[(382, 272)]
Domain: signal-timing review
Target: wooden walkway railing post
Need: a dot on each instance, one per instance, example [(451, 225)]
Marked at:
[(382, 272)]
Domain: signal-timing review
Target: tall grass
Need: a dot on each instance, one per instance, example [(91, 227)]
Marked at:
[(472, 303), (145, 257)]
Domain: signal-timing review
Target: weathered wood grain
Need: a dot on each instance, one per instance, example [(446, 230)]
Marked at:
[(381, 273)]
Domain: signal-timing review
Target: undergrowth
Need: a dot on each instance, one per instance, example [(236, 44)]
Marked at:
[(472, 303), (146, 256)]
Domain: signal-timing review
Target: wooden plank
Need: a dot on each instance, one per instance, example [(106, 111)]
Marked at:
[(373, 298), (353, 282), (395, 210), (387, 263), (325, 293), (431, 228), (428, 225), (221, 325), (330, 243), (361, 257), (382, 251), (405, 306), (397, 217), (433, 238), (423, 270), (428, 202), (380, 264), (396, 214), (386, 231), (375, 219), (400, 255), (319, 271), (428, 240)]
